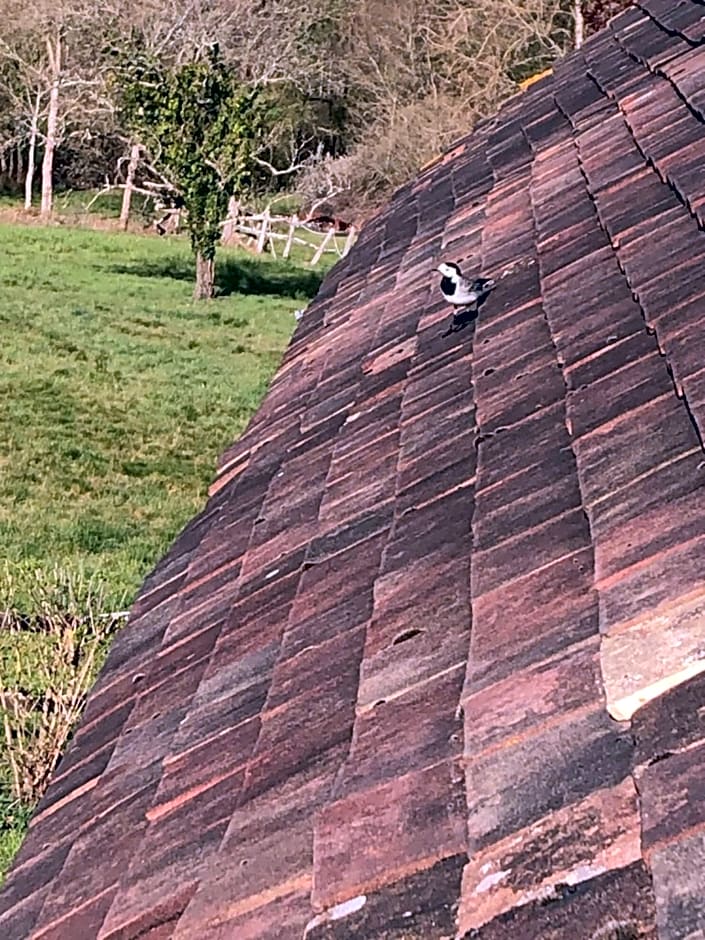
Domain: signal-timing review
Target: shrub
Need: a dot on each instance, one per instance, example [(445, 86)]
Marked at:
[(54, 631)]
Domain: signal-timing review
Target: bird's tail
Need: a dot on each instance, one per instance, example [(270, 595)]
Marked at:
[(484, 284)]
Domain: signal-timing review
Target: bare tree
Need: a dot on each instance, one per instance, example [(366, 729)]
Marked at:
[(54, 49), (579, 20), (24, 88), (31, 155), (420, 75)]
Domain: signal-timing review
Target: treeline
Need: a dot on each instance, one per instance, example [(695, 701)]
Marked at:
[(352, 95)]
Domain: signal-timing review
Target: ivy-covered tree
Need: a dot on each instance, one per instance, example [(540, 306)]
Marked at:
[(199, 125)]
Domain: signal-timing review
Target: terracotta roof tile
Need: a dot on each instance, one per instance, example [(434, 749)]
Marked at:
[(397, 827), (533, 617), (617, 901), (532, 776), (371, 689), (671, 793), (599, 833), (678, 888)]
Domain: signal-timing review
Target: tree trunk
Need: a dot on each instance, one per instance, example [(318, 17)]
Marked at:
[(205, 278), (579, 23), (52, 128), (29, 177), (129, 183), (18, 164)]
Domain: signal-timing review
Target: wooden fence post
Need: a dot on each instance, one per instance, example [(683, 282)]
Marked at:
[(290, 237), (264, 231), (129, 186), (230, 225), (349, 241), (322, 247)]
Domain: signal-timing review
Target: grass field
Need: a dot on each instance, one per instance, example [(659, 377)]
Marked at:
[(118, 394)]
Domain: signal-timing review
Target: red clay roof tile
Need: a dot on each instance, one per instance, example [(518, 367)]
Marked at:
[(371, 689), (569, 846)]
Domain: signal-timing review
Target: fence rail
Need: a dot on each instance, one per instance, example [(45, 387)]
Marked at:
[(262, 227), (268, 229)]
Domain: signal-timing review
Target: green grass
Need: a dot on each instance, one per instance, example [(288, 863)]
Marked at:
[(73, 203), (13, 825), (74, 206), (95, 209), (118, 393)]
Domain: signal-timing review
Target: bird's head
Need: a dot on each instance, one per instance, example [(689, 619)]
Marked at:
[(449, 269)]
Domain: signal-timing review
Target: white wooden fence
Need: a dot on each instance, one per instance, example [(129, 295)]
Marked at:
[(263, 228), (266, 230)]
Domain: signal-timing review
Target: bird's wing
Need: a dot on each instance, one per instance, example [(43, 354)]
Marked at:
[(465, 295), (465, 285)]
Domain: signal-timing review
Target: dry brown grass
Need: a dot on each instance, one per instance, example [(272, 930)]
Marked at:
[(51, 655)]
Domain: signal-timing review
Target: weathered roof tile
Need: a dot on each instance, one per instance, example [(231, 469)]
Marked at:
[(371, 689), (556, 766), (405, 825), (620, 900), (671, 793), (533, 617), (676, 873), (567, 847), (544, 693)]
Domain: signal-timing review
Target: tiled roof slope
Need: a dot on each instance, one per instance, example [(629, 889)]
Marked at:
[(428, 664)]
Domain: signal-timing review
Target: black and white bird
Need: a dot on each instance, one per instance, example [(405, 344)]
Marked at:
[(463, 293)]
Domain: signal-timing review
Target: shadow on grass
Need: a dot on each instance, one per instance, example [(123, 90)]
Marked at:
[(234, 275)]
